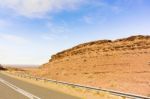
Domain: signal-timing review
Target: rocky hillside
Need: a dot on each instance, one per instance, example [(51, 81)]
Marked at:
[(122, 64), (130, 43)]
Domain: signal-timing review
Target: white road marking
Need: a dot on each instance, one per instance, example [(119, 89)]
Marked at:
[(27, 94)]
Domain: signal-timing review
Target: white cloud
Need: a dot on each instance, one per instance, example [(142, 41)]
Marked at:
[(39, 8), (13, 38)]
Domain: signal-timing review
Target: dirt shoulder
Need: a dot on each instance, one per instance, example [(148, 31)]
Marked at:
[(74, 91)]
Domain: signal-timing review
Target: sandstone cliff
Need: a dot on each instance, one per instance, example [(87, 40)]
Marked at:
[(130, 43), (122, 64)]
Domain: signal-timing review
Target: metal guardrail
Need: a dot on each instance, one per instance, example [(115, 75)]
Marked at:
[(113, 92)]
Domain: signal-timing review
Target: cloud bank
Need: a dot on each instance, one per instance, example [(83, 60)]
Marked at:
[(38, 8)]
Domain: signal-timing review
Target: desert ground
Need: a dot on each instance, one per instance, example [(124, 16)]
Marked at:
[(122, 64)]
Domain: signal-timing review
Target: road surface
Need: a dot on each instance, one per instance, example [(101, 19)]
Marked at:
[(11, 88)]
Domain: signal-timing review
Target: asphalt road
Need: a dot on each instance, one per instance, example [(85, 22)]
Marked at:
[(11, 88)]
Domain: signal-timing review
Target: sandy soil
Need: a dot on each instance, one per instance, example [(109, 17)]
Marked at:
[(122, 65)]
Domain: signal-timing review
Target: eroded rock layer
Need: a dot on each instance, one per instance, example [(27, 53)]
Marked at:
[(123, 64)]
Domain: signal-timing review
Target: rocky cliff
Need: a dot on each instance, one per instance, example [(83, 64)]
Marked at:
[(130, 43), (122, 64)]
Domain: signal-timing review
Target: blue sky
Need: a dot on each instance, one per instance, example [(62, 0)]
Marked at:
[(33, 30)]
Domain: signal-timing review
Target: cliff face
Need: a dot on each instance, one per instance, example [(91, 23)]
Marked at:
[(121, 64), (130, 43)]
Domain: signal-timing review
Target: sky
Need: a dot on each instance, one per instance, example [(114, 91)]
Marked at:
[(33, 30)]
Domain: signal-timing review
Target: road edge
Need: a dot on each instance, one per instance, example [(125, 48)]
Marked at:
[(35, 82)]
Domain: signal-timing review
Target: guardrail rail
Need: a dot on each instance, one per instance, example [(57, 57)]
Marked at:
[(113, 92)]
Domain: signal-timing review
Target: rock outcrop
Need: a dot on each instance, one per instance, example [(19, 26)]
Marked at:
[(122, 64), (130, 43)]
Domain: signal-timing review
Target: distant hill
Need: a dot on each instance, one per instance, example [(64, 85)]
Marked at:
[(122, 64), (21, 66), (2, 68)]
